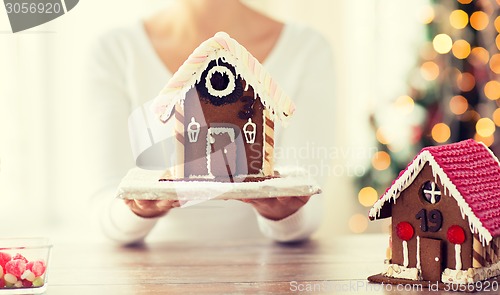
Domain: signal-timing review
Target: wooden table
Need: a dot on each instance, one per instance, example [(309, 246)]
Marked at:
[(327, 266)]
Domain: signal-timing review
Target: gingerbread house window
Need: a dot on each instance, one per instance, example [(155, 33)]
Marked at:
[(431, 192), (220, 81), (220, 84)]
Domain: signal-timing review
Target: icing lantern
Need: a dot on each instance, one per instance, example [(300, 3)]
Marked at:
[(193, 130), (405, 231), (456, 234), (249, 129)]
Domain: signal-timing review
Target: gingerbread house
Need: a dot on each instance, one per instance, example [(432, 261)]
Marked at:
[(445, 209), (224, 104)]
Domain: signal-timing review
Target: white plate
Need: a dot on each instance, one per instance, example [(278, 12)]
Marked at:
[(144, 185)]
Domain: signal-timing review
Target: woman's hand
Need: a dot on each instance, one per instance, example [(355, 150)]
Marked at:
[(277, 208), (151, 208)]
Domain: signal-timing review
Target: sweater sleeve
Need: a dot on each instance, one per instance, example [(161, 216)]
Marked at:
[(307, 142), (108, 106), (118, 222)]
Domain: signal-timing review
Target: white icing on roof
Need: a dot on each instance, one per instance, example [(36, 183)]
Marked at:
[(407, 178), (229, 50)]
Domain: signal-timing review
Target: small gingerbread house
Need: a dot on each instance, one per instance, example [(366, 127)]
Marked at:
[(445, 209), (224, 104)]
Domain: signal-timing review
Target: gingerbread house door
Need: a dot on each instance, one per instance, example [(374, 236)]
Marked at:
[(431, 259), (221, 151)]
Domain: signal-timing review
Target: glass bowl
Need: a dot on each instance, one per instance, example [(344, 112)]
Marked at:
[(23, 265)]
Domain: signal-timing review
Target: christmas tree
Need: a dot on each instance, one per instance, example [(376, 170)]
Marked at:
[(453, 94)]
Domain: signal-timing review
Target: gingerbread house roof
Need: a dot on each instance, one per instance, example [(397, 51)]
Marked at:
[(470, 173), (247, 66)]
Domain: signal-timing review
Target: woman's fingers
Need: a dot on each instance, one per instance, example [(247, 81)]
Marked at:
[(145, 204), (151, 208), (279, 207), (168, 204), (293, 201)]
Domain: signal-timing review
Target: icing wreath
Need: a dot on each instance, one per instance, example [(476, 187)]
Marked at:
[(219, 84), (212, 81)]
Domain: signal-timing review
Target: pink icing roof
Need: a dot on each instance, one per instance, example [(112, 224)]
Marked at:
[(471, 175)]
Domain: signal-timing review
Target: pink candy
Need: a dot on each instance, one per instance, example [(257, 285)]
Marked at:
[(15, 267), (20, 257), (37, 267), (17, 272), (4, 258), (27, 283)]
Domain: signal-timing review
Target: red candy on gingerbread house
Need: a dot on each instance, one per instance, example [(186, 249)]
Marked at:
[(224, 104), (445, 209)]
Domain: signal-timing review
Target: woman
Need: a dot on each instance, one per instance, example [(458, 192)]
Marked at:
[(130, 65)]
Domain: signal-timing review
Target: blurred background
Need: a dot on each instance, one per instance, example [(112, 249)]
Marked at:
[(409, 74)]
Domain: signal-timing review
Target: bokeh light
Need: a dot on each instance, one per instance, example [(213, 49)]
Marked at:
[(495, 63), (458, 104), (497, 41), (464, 1), (461, 49), (441, 132), (485, 127), (429, 70), (492, 90), (442, 43), (427, 14), (496, 117), (459, 19), (470, 115), (479, 20), (405, 104), (427, 51), (367, 196), (488, 141), (381, 160), (480, 55), (358, 223), (497, 23), (466, 82), (381, 135), (395, 148)]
